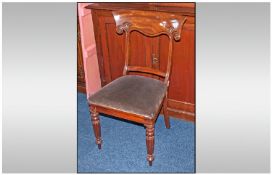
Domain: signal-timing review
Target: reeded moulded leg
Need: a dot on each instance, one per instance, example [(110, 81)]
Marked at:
[(150, 143), (96, 127)]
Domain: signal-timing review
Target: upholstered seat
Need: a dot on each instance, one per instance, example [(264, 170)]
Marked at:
[(132, 94)]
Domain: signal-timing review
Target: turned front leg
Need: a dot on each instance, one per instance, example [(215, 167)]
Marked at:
[(96, 127), (150, 143)]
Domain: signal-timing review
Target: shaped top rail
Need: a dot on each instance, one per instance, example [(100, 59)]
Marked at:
[(149, 23)]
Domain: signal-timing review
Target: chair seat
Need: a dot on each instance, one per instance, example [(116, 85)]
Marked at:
[(132, 94)]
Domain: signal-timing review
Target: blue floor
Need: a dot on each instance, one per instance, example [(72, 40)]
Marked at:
[(124, 150)]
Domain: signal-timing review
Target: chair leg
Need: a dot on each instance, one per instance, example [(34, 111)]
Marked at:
[(96, 127), (165, 112), (150, 143)]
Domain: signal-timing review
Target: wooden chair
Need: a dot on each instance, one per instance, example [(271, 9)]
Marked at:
[(133, 97)]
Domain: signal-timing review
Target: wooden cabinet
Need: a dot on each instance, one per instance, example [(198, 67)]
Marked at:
[(81, 86), (150, 52)]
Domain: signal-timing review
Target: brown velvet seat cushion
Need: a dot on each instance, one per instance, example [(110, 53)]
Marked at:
[(133, 94)]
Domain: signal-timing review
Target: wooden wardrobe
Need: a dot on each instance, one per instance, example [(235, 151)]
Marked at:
[(150, 52)]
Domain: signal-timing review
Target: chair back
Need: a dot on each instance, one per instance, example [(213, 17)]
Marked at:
[(151, 24)]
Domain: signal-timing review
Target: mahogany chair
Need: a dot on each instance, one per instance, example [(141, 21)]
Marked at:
[(133, 97)]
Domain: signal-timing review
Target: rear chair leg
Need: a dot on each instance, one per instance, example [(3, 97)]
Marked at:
[(150, 143), (96, 126), (166, 117)]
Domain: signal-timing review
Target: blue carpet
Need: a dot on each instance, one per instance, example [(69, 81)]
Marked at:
[(124, 150)]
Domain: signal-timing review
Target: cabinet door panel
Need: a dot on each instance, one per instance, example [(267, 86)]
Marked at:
[(112, 49), (182, 76), (139, 49), (182, 79), (115, 48), (142, 51)]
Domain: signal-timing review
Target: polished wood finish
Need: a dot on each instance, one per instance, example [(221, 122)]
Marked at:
[(145, 70), (96, 126), (165, 112), (149, 52), (81, 84), (162, 24), (150, 143), (184, 8), (148, 24)]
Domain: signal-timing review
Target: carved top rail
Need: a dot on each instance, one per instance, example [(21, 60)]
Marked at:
[(149, 23)]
